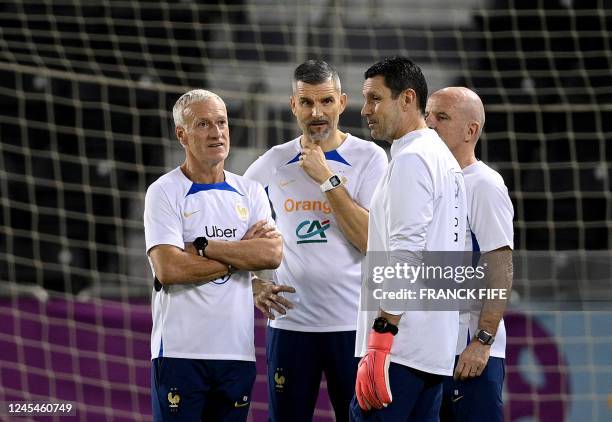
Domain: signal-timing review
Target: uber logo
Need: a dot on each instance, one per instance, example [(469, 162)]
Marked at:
[(215, 231)]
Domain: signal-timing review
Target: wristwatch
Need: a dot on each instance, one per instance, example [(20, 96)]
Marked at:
[(200, 243), (333, 182), (485, 337), (381, 325)]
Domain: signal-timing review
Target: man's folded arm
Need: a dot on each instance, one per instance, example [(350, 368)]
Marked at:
[(251, 255), (173, 265)]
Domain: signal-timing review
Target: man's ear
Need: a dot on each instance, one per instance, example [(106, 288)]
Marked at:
[(343, 102), (472, 130), (180, 135), (408, 97), (292, 104)]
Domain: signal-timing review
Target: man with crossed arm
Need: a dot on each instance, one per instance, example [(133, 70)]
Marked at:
[(205, 229), (475, 394)]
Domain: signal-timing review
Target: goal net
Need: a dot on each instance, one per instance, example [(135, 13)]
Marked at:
[(86, 92)]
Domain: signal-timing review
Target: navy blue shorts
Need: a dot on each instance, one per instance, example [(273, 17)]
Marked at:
[(476, 399), (296, 361), (416, 397), (195, 389)]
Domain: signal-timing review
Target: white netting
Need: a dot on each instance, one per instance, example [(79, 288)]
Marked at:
[(86, 90)]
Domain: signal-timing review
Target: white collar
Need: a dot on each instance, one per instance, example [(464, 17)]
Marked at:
[(401, 143)]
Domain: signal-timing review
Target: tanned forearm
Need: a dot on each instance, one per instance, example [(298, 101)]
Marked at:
[(475, 357), (251, 255), (174, 266), (351, 217), (499, 276)]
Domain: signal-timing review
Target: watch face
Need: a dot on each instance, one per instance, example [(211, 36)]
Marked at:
[(200, 243), (484, 337), (335, 181)]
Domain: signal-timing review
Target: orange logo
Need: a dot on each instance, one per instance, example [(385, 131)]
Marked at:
[(292, 205)]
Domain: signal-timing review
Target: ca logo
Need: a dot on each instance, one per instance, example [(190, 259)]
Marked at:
[(312, 231)]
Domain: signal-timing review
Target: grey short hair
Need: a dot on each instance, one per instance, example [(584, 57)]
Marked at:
[(188, 98), (315, 72)]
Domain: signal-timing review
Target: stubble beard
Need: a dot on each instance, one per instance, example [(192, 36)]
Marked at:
[(319, 137)]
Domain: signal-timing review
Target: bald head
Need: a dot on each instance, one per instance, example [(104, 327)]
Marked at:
[(457, 114), (467, 102)]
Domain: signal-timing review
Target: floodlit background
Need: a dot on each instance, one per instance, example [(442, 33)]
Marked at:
[(86, 91)]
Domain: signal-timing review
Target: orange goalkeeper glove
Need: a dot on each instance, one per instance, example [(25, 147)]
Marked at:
[(372, 386)]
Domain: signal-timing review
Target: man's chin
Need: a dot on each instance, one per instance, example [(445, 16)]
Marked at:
[(377, 136), (218, 158), (319, 137)]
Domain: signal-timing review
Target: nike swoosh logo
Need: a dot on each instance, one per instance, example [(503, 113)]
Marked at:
[(285, 183), (189, 214), (236, 404), (456, 399)]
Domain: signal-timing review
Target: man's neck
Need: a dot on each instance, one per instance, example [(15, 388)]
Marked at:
[(203, 174), (329, 144), (465, 158), (411, 126)]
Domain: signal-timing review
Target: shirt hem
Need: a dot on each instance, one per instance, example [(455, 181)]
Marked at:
[(250, 358), (311, 329), (423, 368), (496, 245), (155, 243)]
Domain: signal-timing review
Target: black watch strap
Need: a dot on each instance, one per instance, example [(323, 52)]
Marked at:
[(200, 244), (381, 325)]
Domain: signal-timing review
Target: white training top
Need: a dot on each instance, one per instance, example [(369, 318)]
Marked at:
[(203, 320), (419, 205), (319, 261), (490, 214)]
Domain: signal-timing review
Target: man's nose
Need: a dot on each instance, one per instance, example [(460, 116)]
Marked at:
[(365, 110), (215, 131)]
